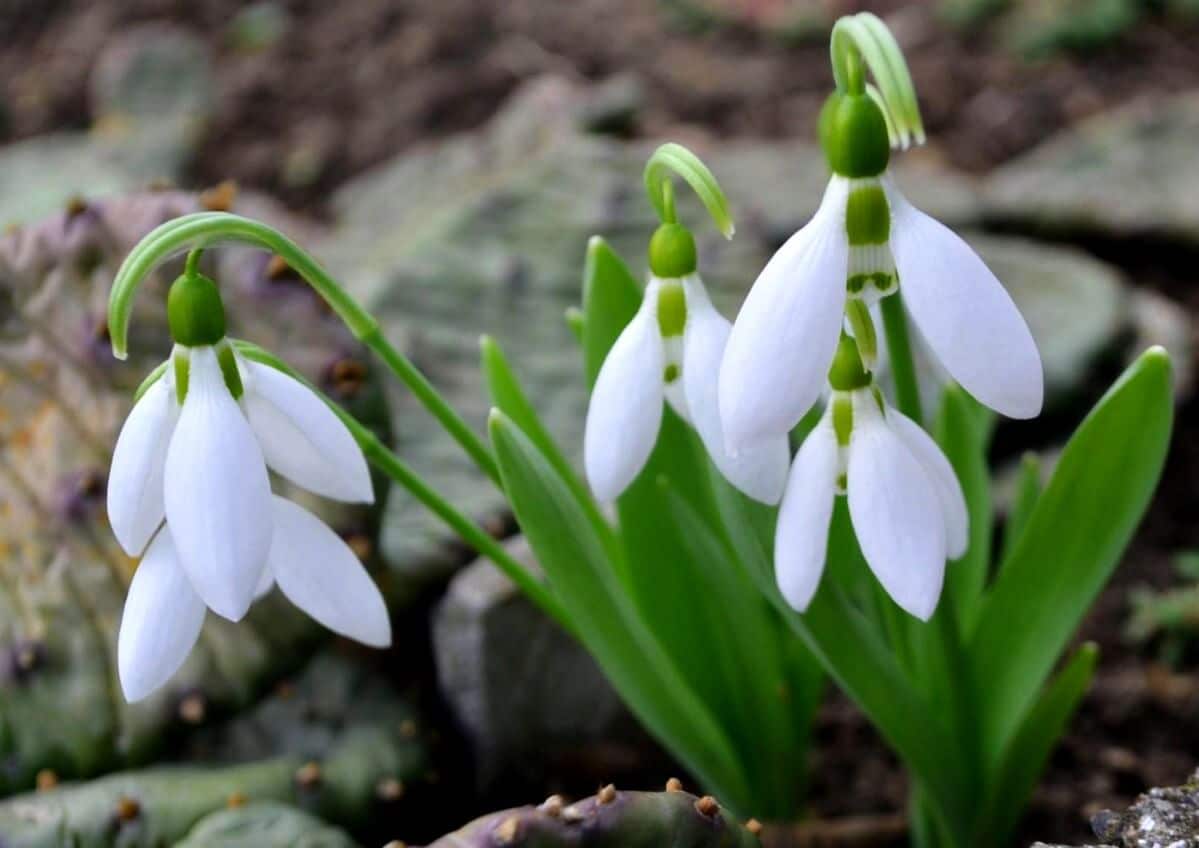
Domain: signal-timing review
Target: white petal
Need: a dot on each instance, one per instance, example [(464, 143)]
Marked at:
[(896, 515), (626, 405), (965, 314), (801, 534), (265, 583), (218, 496), (160, 624), (135, 480), (675, 391), (940, 473), (759, 470), (782, 343), (319, 573), (302, 438)]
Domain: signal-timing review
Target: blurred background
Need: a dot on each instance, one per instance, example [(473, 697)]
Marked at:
[(449, 159)]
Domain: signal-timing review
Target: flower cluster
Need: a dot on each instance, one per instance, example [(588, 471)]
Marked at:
[(189, 492), (806, 332)]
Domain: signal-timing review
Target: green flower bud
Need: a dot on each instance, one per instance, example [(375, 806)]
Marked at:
[(194, 311), (672, 252), (853, 133), (848, 372)]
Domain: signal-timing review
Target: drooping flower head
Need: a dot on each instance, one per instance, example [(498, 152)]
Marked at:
[(189, 492), (670, 352), (866, 242)]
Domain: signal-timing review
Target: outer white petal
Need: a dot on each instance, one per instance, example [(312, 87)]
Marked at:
[(135, 480), (302, 438), (759, 470), (896, 515), (801, 534), (964, 313), (941, 475), (319, 573), (218, 496), (160, 624), (626, 404), (784, 337), (265, 583)]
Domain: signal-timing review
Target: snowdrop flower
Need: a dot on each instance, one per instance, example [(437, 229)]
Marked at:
[(865, 242), (189, 488), (670, 351), (906, 505)]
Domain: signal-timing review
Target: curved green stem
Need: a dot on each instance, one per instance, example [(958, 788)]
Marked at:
[(903, 364), (386, 460), (204, 229), (674, 157)]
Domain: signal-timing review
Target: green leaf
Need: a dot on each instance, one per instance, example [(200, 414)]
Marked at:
[(611, 297), (1074, 539), (581, 576), (963, 431), (1029, 750), (1028, 490)]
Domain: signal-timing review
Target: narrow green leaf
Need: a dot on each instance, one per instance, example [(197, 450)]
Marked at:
[(963, 431), (1073, 540), (582, 578), (611, 297), (1028, 490), (1029, 750)]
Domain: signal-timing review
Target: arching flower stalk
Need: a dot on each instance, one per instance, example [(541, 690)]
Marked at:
[(190, 493), (671, 352)]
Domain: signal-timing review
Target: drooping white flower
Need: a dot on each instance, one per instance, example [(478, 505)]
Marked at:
[(906, 505), (670, 351), (867, 241), (189, 487)]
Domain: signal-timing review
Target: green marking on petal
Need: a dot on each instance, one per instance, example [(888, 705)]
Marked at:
[(856, 283), (182, 364), (672, 309), (882, 281), (868, 216), (842, 482), (672, 373), (842, 418), (228, 363)]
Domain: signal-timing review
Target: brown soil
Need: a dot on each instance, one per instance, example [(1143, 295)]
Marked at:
[(353, 83)]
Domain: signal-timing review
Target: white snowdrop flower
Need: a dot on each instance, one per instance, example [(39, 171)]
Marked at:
[(189, 487), (865, 242), (905, 502), (671, 351)]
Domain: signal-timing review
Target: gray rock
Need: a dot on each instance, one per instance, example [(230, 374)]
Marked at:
[(1130, 173), (1160, 818), (528, 696), (152, 88), (486, 233)]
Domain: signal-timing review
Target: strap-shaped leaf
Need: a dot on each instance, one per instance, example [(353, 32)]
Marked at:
[(1074, 539), (580, 574), (610, 300)]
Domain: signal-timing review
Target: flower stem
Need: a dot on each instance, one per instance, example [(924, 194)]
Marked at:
[(903, 365), (202, 229)]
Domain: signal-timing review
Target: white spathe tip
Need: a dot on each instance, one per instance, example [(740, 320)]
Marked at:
[(218, 496), (302, 438), (625, 412), (319, 573), (160, 623)]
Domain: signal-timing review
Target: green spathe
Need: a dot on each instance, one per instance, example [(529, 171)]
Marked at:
[(194, 311), (853, 133), (672, 252)]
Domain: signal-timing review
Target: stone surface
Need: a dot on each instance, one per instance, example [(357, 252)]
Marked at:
[(528, 696), (486, 232), (325, 743), (1160, 818), (63, 398), (1130, 173)]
